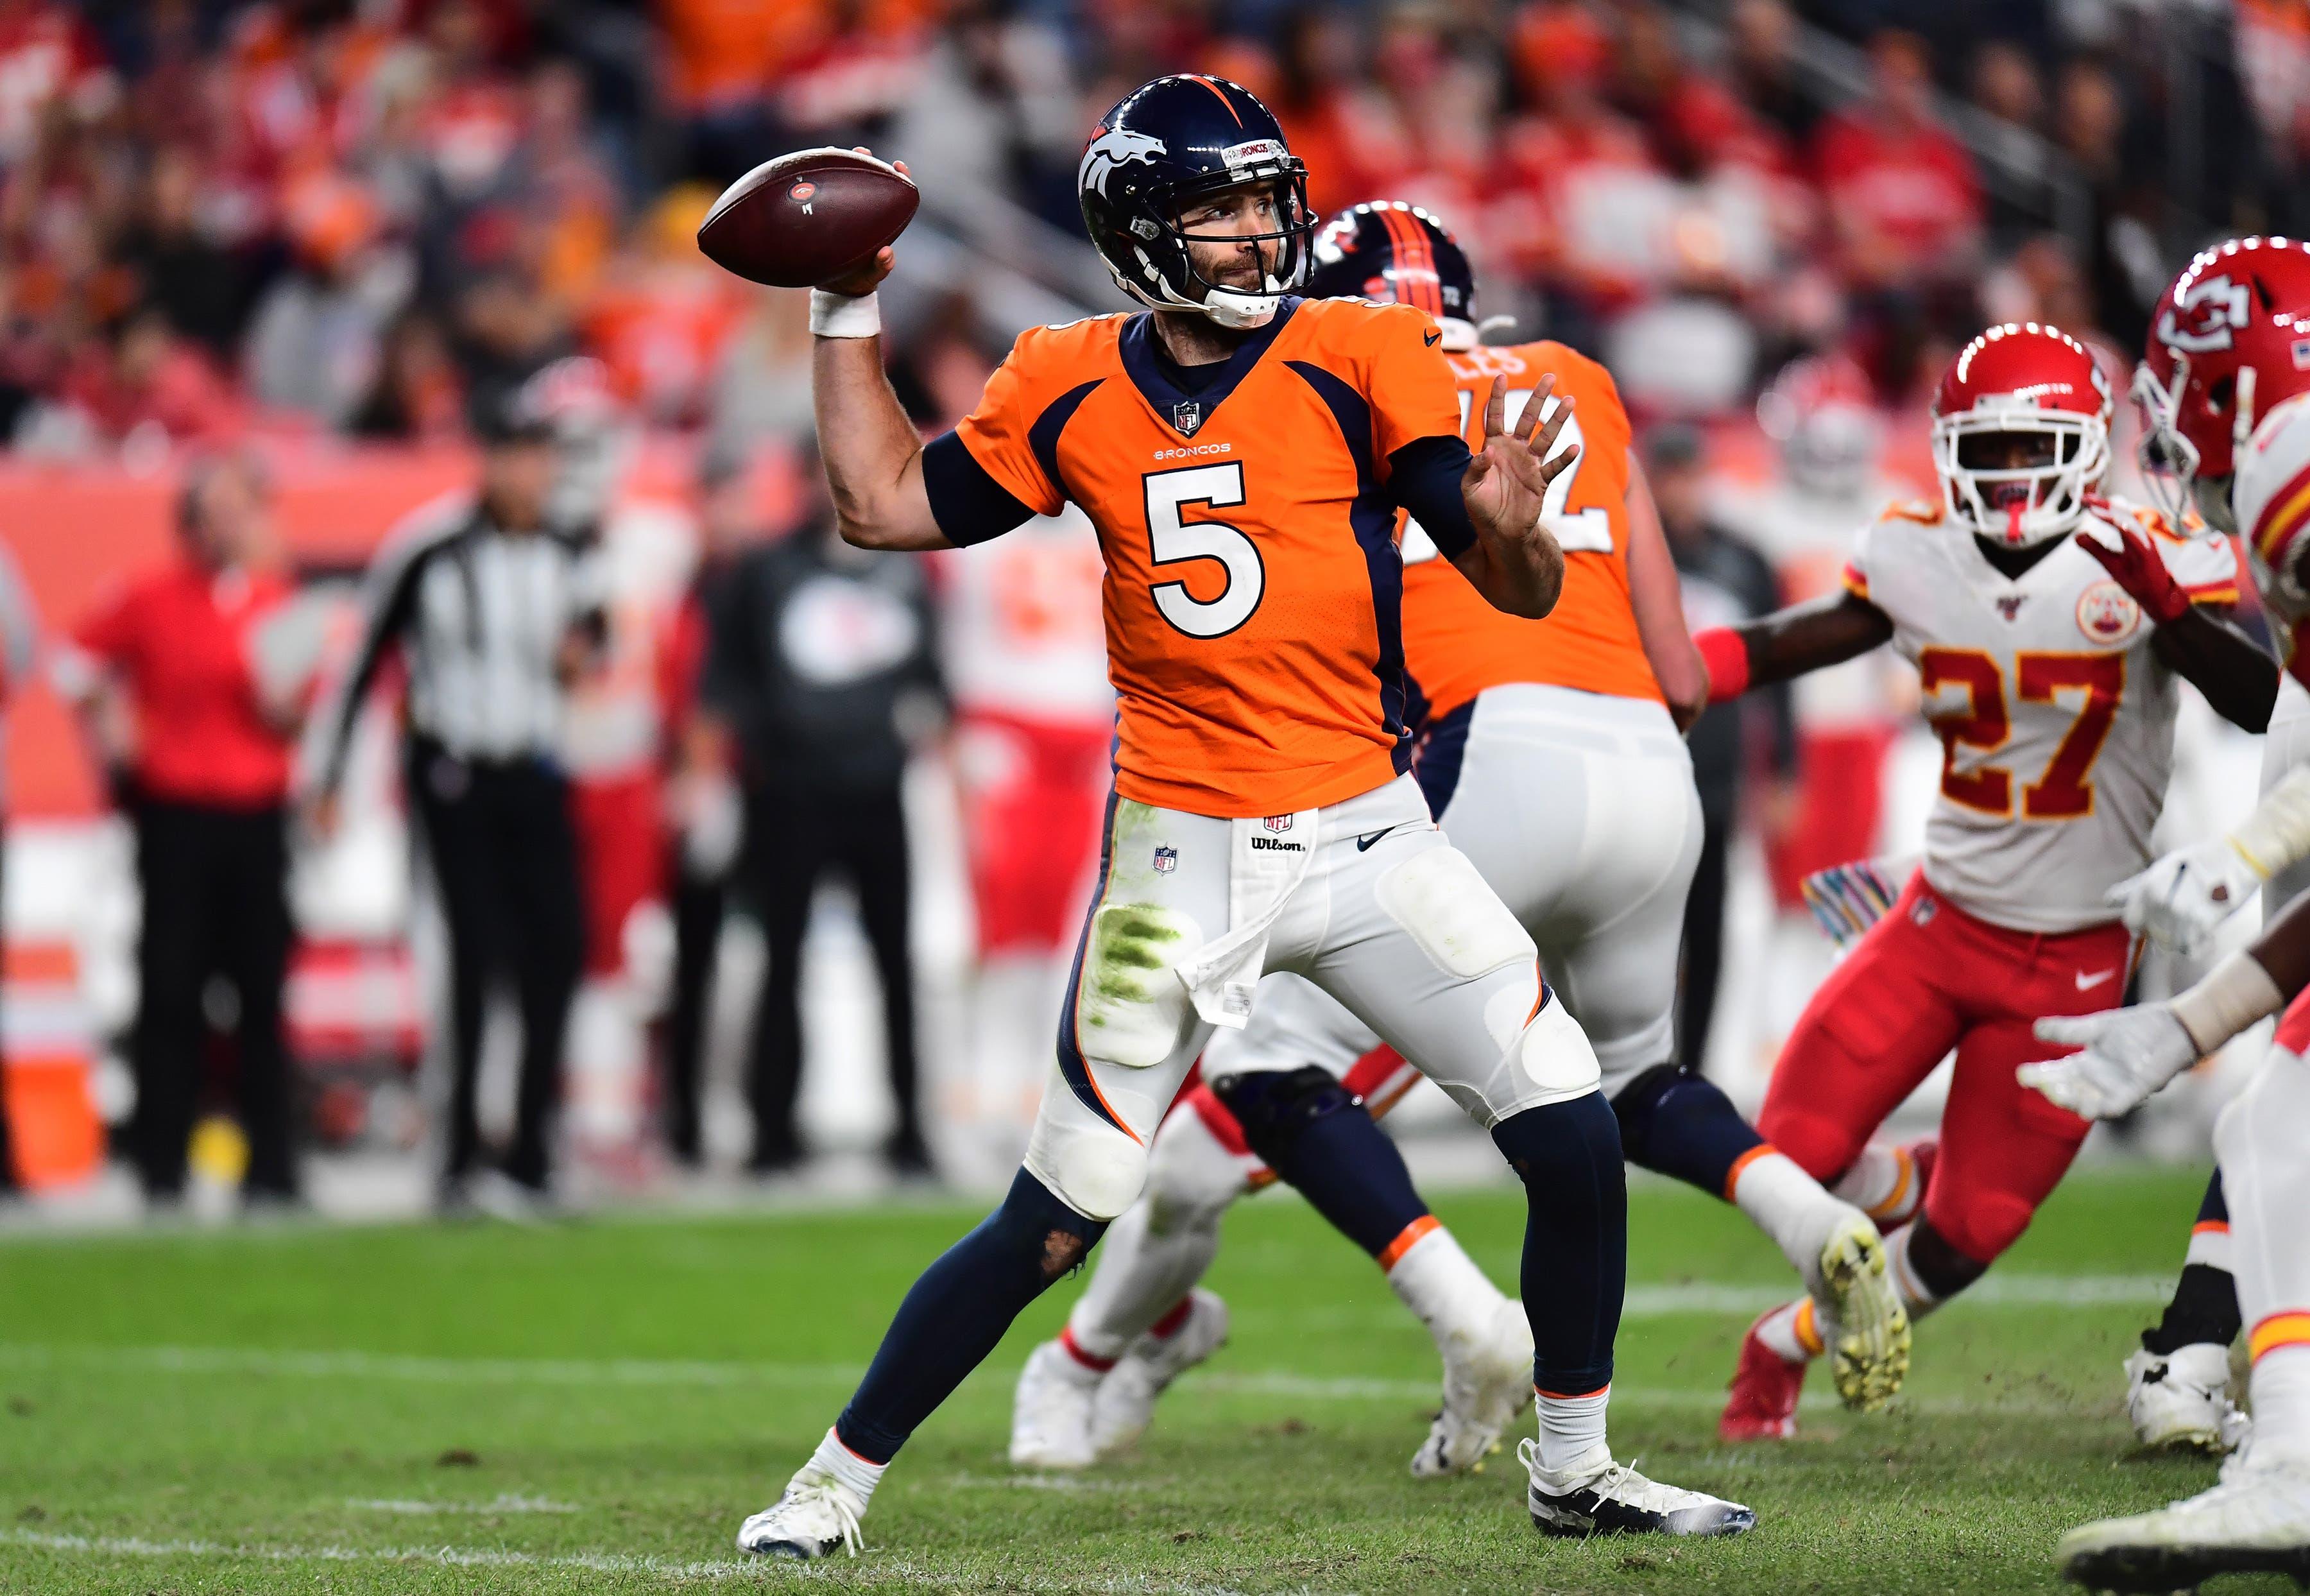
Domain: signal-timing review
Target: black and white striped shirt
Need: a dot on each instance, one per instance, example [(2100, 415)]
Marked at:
[(481, 616)]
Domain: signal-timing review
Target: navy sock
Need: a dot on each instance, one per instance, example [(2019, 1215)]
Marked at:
[(2205, 1305), (1576, 1238), (2214, 1207), (958, 1309), (1316, 1135), (1676, 1121)]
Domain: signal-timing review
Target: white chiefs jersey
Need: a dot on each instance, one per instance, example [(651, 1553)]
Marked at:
[(2056, 718), (1024, 630)]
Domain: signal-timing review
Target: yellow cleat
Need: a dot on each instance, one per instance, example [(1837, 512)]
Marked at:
[(1870, 1357)]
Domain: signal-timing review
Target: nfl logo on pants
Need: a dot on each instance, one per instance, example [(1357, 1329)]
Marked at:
[(1278, 822), (1167, 859)]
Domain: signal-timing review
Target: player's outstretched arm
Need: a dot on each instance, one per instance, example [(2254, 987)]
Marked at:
[(872, 454), (2125, 1055), (1516, 562), (1657, 600), (1789, 643), (2237, 676), (2184, 897)]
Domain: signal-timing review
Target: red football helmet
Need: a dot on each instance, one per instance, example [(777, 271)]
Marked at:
[(2230, 339), (2022, 433), (1821, 411)]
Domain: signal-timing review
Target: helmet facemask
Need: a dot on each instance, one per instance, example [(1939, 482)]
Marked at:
[(2017, 474), (1167, 278)]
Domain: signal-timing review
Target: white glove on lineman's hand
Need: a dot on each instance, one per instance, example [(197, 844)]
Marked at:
[(2184, 897), (2129, 1054)]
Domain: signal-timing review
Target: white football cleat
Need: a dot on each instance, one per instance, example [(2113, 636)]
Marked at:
[(1870, 1357), (1598, 1496), (2182, 1399), (1051, 1411), (1128, 1396), (817, 1515), (1486, 1383), (2257, 1520)]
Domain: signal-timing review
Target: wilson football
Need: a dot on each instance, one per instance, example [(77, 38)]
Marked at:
[(807, 218)]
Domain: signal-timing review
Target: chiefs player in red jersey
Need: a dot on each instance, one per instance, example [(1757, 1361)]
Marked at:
[(2049, 627)]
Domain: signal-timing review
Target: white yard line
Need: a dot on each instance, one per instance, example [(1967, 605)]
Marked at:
[(1644, 1301), (838, 1572), (499, 1504)]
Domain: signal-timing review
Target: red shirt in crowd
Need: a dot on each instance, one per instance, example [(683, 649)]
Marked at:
[(179, 641), (1911, 188)]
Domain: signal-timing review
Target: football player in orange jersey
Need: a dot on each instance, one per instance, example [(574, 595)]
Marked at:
[(1552, 756), (1242, 455)]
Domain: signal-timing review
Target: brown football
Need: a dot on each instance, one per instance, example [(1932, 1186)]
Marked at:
[(807, 218)]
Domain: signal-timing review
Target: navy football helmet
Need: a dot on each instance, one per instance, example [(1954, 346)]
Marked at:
[(1166, 146), (1397, 254)]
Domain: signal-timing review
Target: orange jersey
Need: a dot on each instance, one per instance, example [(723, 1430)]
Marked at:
[(1455, 645), (1253, 588)]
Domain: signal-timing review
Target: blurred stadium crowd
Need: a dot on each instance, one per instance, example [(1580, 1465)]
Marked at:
[(282, 227)]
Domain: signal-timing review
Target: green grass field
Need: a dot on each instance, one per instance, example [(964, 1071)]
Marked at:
[(594, 1406)]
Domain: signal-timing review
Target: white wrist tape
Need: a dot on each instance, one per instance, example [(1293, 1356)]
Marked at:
[(844, 315), (2278, 833), (2235, 994)]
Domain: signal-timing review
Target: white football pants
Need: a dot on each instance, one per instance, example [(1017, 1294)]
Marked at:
[(1364, 899), (1579, 810)]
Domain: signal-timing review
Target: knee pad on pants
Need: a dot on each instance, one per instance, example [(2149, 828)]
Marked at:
[(1552, 1052), (1192, 1176), (1092, 1167), (1979, 1223)]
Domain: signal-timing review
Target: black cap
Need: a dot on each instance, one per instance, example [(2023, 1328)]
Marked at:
[(1673, 444), (510, 414)]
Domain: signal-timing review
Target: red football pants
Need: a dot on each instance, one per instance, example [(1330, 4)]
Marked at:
[(1926, 978), (1033, 829)]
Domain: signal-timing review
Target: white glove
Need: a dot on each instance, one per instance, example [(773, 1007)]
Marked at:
[(2128, 1054), (712, 820), (2184, 897)]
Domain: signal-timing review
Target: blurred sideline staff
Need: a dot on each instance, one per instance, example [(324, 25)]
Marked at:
[(19, 652), (494, 612), (1725, 581), (703, 820), (824, 668), (190, 680)]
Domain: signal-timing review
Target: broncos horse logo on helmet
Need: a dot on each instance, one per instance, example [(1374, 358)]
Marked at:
[(1166, 145)]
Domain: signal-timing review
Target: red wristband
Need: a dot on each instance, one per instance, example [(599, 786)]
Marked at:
[(1725, 652)]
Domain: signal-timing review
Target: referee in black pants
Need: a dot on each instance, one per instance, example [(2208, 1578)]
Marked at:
[(494, 612)]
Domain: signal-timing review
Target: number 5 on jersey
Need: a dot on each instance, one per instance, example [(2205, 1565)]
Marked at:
[(1173, 540)]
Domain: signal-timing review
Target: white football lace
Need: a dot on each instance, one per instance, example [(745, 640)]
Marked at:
[(1618, 1477), (829, 1494)]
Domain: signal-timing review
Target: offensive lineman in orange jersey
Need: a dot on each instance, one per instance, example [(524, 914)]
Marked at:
[(1242, 455), (1552, 758)]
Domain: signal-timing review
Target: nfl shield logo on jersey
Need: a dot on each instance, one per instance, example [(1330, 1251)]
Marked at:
[(1166, 858), (1187, 415), (1278, 822)]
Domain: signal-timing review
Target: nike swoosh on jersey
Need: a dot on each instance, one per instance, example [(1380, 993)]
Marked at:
[(2088, 983)]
